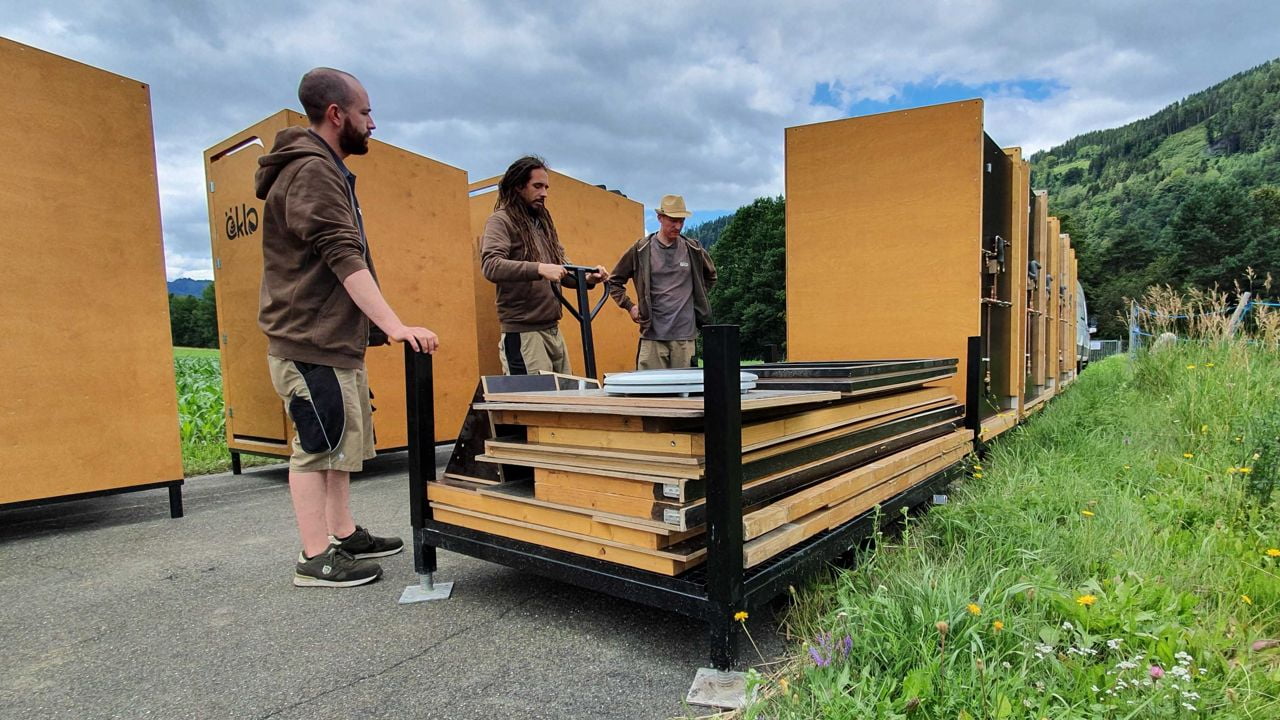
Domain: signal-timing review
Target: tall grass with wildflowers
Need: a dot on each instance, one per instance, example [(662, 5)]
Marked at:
[(1117, 556)]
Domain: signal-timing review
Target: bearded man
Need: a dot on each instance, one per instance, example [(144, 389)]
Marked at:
[(319, 297), (521, 253)]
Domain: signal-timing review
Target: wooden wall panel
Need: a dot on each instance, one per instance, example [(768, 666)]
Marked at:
[(596, 226), (415, 211), (1053, 310), (1019, 212), (1039, 344), (90, 401), (884, 235)]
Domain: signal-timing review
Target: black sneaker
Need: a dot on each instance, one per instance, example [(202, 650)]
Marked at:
[(334, 568), (362, 545)]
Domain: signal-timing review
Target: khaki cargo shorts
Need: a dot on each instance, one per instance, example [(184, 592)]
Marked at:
[(531, 352), (331, 414), (660, 354)]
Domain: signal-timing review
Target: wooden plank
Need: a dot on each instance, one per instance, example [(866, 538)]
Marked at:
[(806, 440), (846, 484), (523, 493), (538, 459), (589, 482), (993, 426), (590, 547), (638, 404), (772, 543), (579, 523), (861, 386), (654, 442), (565, 408), (497, 447), (604, 502)]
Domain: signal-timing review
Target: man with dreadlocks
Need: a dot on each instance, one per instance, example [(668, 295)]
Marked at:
[(521, 253)]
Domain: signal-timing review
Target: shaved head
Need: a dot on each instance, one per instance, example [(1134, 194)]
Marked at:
[(322, 87)]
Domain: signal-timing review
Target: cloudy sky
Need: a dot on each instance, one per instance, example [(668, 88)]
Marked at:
[(647, 97)]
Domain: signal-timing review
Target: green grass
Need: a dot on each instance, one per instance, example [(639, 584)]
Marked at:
[(1124, 493), (201, 421), (195, 352)]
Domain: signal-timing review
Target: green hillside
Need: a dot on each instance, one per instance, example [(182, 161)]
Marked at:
[(1187, 196)]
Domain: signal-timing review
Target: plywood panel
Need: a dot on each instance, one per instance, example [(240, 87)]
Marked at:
[(884, 235), (596, 226), (1039, 346), (1019, 211), (1052, 308), (415, 212), (88, 385)]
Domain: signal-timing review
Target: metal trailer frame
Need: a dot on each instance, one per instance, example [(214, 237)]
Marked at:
[(712, 592)]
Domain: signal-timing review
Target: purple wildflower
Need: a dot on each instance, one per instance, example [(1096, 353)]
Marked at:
[(847, 644), (817, 657)]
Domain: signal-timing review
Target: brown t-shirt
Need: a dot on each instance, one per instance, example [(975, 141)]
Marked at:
[(671, 314)]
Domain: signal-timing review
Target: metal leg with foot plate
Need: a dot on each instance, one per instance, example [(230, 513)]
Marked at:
[(425, 590), (719, 689)]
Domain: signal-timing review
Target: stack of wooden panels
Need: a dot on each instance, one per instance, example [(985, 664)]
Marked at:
[(623, 478)]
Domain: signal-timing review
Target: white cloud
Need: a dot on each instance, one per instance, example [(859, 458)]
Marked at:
[(647, 97)]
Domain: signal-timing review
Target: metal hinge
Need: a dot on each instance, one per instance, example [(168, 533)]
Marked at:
[(210, 186), (217, 263), (231, 412), (224, 338)]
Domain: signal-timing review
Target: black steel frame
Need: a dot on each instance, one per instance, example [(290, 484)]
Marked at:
[(713, 592), (584, 313), (174, 486)]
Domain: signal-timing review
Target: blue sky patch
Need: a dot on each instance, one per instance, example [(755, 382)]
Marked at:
[(931, 93)]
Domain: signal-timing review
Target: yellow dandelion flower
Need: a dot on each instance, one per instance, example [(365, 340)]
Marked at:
[(741, 616), (782, 683), (1208, 364), (1239, 438), (997, 626), (1204, 429), (1087, 513), (1191, 367), (1126, 467), (977, 467), (1232, 471), (973, 609), (1188, 455), (1273, 552), (1246, 599), (977, 475), (1086, 600), (1246, 470)]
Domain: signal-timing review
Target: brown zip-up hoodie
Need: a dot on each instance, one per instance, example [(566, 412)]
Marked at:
[(526, 301), (636, 264), (311, 241)]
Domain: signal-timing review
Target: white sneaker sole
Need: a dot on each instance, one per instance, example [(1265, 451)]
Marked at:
[(384, 553), (308, 581)]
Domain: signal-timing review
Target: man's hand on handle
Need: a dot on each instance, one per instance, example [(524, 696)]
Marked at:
[(635, 313), (600, 275), (419, 338), (554, 273)]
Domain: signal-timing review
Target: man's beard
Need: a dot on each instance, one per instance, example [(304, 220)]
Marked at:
[(352, 141)]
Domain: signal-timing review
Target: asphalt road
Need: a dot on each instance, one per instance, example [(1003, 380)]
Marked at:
[(110, 609)]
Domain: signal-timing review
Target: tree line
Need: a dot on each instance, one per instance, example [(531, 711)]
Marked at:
[(194, 320)]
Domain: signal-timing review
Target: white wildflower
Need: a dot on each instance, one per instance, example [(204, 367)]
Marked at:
[(1113, 644), (1067, 626), (1189, 706)]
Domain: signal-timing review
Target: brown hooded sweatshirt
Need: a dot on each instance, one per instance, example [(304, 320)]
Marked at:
[(312, 240)]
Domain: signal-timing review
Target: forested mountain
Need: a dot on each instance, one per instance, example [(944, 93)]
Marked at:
[(1188, 196), (708, 232)]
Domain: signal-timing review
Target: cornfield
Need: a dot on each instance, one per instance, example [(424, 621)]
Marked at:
[(200, 413)]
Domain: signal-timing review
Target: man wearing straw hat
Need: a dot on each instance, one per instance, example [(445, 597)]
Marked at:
[(673, 276)]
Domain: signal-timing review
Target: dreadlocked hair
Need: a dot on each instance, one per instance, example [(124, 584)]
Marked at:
[(541, 241)]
